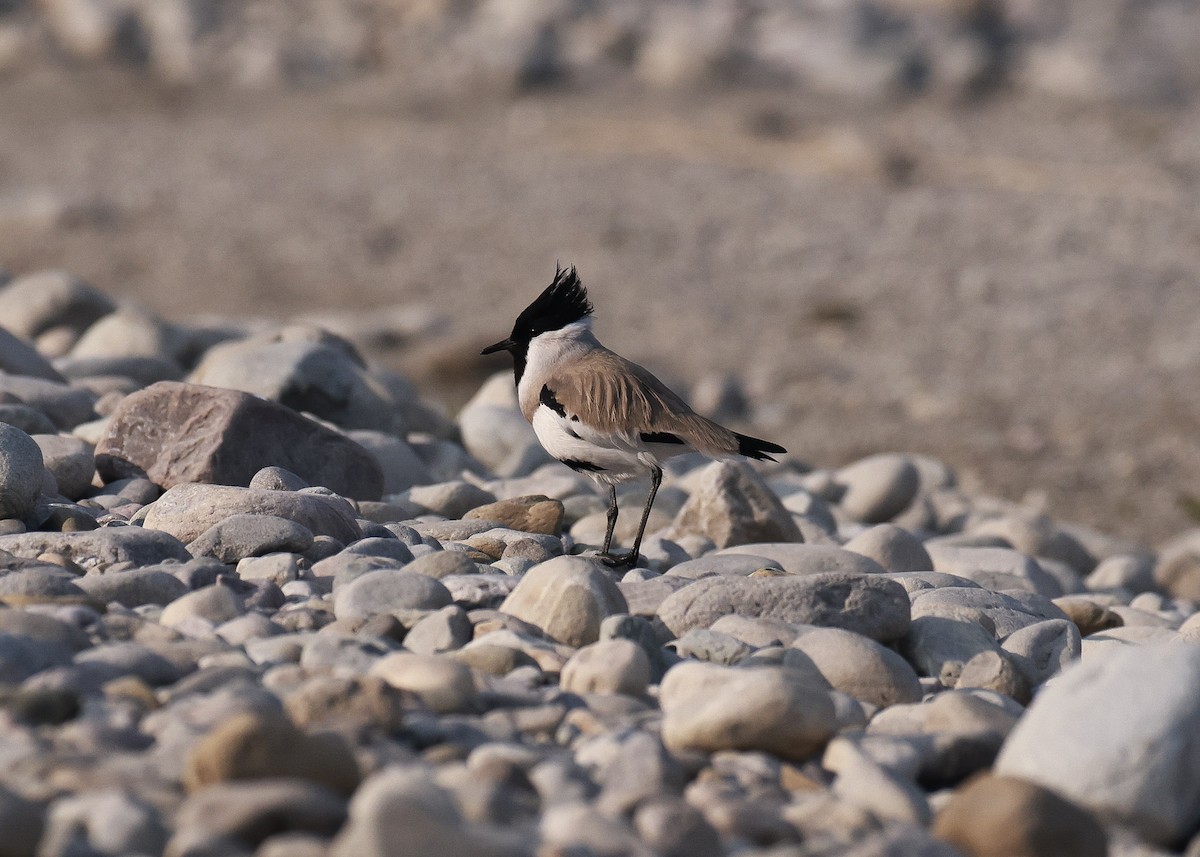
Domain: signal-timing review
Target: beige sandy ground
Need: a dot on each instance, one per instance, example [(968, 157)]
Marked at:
[(1013, 287)]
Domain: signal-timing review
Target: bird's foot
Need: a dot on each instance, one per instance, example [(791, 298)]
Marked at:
[(618, 560)]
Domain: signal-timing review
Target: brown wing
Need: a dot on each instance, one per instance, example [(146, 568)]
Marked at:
[(617, 396)]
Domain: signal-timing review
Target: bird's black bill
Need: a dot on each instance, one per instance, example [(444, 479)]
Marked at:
[(503, 345)]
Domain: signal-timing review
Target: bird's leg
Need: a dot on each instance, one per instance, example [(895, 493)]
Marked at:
[(614, 560), (612, 518), (655, 481)]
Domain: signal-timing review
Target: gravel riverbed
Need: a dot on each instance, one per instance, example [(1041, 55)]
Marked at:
[(261, 598)]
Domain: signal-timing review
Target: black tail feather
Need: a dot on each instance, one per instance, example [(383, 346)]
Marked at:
[(752, 447)]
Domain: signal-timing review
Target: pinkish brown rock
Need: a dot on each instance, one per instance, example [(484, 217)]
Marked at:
[(174, 433)]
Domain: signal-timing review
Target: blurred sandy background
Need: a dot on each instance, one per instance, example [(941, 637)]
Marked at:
[(964, 227)]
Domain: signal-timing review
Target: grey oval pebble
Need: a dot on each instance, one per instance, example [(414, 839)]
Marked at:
[(388, 591)]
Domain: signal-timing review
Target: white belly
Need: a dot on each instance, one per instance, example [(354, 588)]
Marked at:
[(617, 457)]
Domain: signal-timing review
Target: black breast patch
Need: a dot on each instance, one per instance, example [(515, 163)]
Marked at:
[(547, 398)]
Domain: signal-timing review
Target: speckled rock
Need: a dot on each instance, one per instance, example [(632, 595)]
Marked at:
[(177, 433), (102, 547), (20, 473)]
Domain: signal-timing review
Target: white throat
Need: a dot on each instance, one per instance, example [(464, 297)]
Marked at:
[(547, 350)]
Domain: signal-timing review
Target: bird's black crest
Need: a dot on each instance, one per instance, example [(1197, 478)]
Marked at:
[(564, 302)]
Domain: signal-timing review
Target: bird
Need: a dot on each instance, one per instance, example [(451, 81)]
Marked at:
[(602, 415)]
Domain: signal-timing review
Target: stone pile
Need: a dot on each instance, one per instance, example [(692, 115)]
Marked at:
[(259, 598)]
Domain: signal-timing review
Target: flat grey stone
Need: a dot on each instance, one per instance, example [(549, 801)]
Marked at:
[(1003, 612), (894, 548), (185, 511), (452, 499), (32, 304), (133, 659), (18, 357), (40, 627), (22, 657), (213, 604), (142, 369), (71, 460), (305, 369), (442, 564), (344, 567), (28, 419), (66, 406), (389, 591), (737, 564), (401, 467), (133, 588), (389, 548), (877, 488), (803, 559), (244, 535), (994, 568), (483, 590), (42, 581), (866, 604)]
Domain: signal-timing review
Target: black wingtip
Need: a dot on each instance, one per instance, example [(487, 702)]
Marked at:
[(760, 450)]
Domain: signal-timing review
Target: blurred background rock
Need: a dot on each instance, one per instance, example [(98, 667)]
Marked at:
[(961, 227)]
